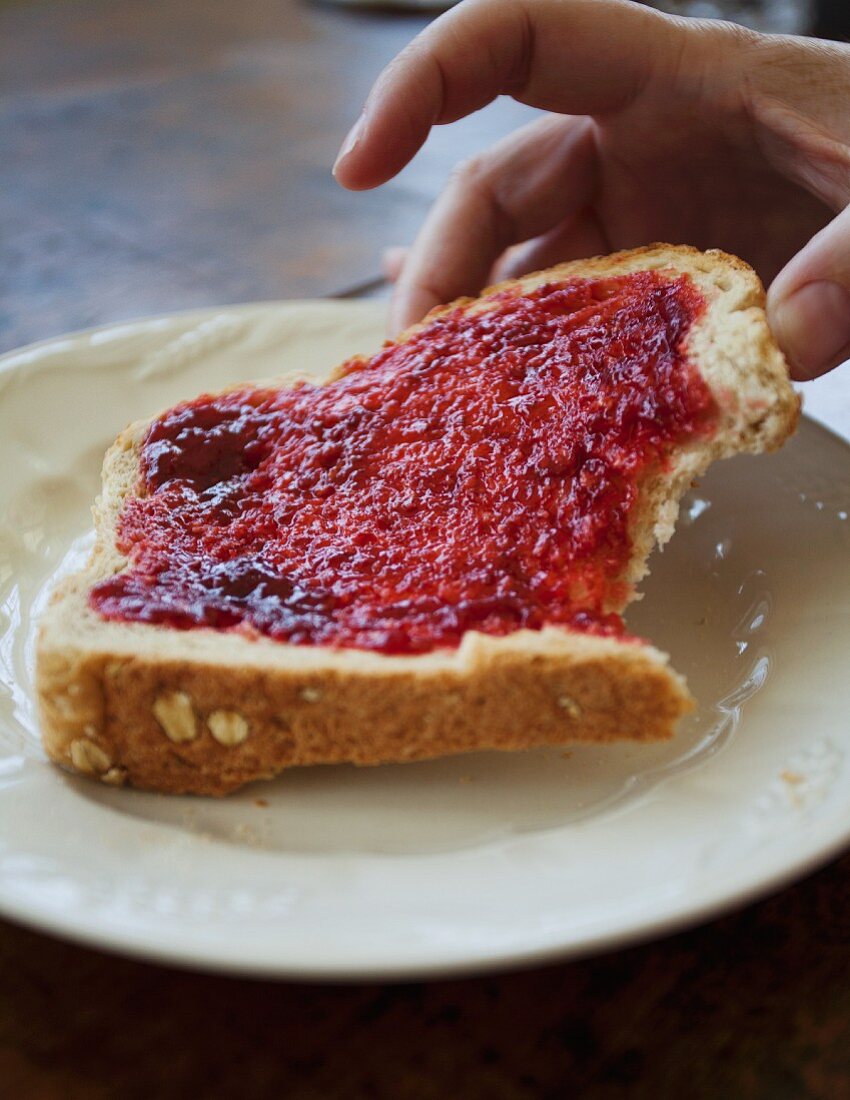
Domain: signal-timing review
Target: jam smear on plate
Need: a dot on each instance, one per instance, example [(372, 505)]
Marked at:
[(479, 476)]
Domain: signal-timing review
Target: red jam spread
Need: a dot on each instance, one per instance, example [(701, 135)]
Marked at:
[(478, 477)]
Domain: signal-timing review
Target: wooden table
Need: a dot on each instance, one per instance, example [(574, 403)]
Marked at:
[(158, 155)]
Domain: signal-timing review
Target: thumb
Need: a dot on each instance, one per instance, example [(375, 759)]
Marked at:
[(808, 305)]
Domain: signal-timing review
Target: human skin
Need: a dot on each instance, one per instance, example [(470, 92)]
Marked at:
[(658, 128)]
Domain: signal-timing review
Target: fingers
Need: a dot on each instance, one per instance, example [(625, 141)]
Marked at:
[(523, 187), (392, 262), (576, 238), (571, 56), (809, 303)]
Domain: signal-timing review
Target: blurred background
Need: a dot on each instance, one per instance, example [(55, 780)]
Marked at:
[(165, 154), (775, 16)]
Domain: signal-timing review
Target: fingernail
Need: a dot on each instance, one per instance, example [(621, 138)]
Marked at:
[(813, 327), (351, 140)]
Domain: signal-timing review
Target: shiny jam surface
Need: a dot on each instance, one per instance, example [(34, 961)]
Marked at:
[(478, 477)]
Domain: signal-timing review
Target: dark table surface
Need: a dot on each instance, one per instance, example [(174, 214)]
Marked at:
[(159, 155)]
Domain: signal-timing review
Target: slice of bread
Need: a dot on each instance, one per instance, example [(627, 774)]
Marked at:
[(204, 711)]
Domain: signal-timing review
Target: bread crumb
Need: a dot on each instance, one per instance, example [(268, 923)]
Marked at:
[(261, 802), (245, 833)]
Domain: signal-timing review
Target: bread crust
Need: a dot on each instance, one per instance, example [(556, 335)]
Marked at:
[(204, 711)]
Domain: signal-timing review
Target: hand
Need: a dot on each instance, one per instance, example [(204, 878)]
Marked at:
[(661, 128)]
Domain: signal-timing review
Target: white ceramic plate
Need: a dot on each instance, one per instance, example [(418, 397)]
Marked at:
[(459, 864)]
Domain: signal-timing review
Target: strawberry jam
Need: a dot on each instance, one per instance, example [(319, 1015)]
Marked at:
[(478, 477)]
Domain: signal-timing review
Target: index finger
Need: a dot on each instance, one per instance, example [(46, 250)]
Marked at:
[(526, 185), (569, 56)]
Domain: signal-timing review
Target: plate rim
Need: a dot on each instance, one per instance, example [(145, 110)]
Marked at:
[(682, 919), (828, 840)]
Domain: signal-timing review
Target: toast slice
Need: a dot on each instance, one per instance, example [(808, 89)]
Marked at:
[(205, 710)]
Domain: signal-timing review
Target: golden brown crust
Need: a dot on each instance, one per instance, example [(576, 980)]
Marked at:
[(150, 720), (205, 712)]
